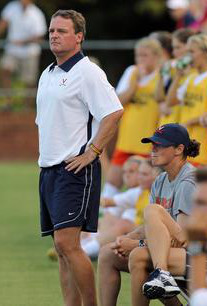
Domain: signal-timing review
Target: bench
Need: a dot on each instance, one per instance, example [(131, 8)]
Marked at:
[(183, 285)]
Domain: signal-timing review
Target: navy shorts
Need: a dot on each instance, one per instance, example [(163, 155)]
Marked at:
[(68, 199)]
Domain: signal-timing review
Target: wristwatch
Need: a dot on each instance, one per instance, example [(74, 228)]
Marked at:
[(197, 248)]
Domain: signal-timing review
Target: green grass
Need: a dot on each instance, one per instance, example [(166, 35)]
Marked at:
[(28, 278)]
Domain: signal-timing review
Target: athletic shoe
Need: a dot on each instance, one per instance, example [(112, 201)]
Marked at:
[(160, 284)]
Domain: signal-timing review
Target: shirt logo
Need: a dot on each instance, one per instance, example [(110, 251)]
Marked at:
[(63, 82)]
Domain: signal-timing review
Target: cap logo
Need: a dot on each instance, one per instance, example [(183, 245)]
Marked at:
[(160, 130)]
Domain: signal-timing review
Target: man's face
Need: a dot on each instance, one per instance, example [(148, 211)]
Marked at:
[(62, 36), (200, 196), (162, 156)]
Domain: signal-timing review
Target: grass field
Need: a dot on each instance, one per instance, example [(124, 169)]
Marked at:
[(28, 278)]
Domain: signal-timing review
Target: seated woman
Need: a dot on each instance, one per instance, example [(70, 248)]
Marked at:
[(171, 196)]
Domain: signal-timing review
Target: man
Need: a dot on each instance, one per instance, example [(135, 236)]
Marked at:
[(77, 114), (196, 230), (26, 26), (172, 191)]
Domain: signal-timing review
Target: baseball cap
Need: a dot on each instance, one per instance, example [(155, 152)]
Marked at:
[(176, 4), (169, 135)]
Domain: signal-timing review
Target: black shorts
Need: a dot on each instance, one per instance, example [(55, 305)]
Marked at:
[(68, 199)]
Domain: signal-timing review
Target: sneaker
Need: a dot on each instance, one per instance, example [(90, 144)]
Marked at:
[(160, 284)]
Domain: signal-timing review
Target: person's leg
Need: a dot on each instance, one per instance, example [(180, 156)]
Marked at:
[(79, 267), (140, 264), (119, 227), (160, 282), (70, 292), (109, 268), (159, 248)]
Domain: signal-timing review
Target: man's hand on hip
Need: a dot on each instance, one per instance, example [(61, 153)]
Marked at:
[(79, 162)]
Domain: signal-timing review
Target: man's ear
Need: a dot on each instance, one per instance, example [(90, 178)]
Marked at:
[(79, 37)]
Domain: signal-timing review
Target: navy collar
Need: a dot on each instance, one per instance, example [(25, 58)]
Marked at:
[(67, 65)]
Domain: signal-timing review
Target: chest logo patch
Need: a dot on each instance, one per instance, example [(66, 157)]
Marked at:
[(63, 82)]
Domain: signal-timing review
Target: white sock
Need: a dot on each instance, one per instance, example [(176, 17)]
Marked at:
[(166, 272), (92, 248), (109, 190)]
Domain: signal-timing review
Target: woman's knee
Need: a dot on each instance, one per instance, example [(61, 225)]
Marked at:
[(152, 210)]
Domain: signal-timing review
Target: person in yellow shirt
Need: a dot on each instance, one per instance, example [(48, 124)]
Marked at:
[(193, 96), (165, 94), (136, 91)]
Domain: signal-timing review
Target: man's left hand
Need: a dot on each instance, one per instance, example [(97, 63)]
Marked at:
[(79, 162)]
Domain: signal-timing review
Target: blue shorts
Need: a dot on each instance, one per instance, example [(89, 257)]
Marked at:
[(68, 199)]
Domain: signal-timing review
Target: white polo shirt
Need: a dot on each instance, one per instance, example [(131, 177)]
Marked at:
[(72, 99), (23, 25)]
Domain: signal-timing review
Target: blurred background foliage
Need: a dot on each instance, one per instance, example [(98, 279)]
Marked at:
[(111, 20), (117, 19)]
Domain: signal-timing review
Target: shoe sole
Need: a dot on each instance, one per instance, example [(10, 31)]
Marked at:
[(171, 292), (154, 292)]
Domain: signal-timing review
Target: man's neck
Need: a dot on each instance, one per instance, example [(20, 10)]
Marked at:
[(64, 57), (174, 168)]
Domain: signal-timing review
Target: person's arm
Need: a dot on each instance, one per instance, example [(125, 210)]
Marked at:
[(34, 39), (137, 233), (198, 273), (159, 91), (171, 97), (182, 219), (196, 231), (125, 244), (3, 26), (126, 96), (105, 132), (107, 202)]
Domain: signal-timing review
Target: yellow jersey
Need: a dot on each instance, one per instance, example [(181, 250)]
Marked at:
[(141, 203), (174, 116), (194, 105), (140, 117)]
